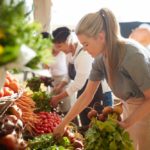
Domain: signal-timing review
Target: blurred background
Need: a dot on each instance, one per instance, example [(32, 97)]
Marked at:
[(69, 12)]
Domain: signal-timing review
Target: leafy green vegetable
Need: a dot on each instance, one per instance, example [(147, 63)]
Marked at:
[(43, 141), (15, 30), (64, 141), (11, 16), (34, 83), (42, 48), (42, 99), (107, 135), (48, 142)]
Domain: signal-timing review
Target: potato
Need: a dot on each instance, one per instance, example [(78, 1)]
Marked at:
[(118, 108), (101, 117), (92, 113), (107, 110)]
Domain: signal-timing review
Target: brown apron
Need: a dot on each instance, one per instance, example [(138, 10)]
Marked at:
[(140, 132)]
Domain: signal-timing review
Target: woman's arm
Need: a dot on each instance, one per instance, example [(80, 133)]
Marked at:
[(140, 113), (81, 103)]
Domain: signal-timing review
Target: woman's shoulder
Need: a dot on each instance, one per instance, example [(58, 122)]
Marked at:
[(133, 47), (135, 51)]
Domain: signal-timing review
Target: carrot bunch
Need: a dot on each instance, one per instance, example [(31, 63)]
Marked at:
[(27, 106), (11, 86)]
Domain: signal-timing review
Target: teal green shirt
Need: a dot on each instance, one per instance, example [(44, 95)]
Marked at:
[(133, 74)]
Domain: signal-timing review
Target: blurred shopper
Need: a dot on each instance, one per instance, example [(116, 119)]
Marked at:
[(58, 69)]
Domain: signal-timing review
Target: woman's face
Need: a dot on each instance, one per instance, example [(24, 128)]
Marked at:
[(94, 46), (64, 47)]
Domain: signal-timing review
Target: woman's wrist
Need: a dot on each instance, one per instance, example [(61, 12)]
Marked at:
[(125, 124)]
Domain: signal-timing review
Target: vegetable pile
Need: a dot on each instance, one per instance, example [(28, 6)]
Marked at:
[(47, 122), (35, 82), (42, 98), (105, 133), (72, 140), (27, 107), (11, 133), (11, 86), (48, 142), (75, 137)]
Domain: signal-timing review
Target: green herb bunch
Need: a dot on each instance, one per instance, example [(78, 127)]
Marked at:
[(15, 30), (42, 100), (34, 84)]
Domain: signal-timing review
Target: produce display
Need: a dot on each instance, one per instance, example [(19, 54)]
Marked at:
[(27, 120), (71, 140), (40, 97), (27, 107), (47, 122), (48, 142), (11, 137), (35, 82), (105, 133)]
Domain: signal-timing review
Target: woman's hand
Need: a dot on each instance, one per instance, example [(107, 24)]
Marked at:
[(123, 124), (59, 130), (54, 101)]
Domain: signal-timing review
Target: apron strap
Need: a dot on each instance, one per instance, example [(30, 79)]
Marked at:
[(71, 68)]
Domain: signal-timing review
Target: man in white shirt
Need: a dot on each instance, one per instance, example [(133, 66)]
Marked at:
[(58, 70)]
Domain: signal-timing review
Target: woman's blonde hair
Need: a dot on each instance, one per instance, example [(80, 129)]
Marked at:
[(104, 20)]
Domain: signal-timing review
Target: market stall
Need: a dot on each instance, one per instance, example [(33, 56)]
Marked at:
[(27, 120)]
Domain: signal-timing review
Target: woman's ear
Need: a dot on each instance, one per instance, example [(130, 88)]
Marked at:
[(101, 36)]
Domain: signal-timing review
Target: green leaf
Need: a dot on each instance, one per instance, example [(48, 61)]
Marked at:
[(113, 146)]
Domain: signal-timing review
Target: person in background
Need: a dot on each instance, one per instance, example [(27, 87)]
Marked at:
[(58, 69), (79, 66), (125, 64), (142, 35)]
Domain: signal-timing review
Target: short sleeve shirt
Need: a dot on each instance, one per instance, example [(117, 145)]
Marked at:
[(133, 74)]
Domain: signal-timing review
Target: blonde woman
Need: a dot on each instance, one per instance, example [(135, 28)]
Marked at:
[(126, 67)]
